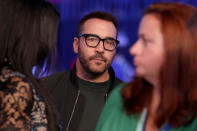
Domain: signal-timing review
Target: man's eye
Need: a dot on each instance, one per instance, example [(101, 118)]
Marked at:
[(111, 42), (91, 39), (145, 41)]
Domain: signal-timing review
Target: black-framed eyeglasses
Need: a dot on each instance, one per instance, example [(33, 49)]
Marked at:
[(92, 40)]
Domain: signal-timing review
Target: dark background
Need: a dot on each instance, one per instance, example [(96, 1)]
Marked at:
[(128, 13)]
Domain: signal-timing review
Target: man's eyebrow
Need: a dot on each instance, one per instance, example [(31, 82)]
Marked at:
[(110, 38)]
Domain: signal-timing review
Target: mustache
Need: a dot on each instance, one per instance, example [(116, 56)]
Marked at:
[(98, 55)]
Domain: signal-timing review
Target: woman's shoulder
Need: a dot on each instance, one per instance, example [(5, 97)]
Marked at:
[(9, 75), (116, 92), (191, 126), (15, 98), (114, 116), (14, 81), (19, 94)]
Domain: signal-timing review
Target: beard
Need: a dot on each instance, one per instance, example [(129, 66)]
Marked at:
[(96, 68)]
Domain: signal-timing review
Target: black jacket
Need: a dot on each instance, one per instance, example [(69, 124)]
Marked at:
[(63, 87)]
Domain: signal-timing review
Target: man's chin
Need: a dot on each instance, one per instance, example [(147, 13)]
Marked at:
[(96, 71), (98, 64), (96, 68)]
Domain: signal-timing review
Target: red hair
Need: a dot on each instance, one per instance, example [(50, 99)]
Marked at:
[(178, 73)]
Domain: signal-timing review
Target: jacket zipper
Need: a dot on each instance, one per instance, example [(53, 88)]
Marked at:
[(78, 93)]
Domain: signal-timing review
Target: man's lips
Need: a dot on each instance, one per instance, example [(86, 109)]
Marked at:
[(98, 59)]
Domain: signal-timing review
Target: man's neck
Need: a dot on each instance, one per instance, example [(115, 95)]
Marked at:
[(82, 74)]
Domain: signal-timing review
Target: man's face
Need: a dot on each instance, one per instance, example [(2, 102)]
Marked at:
[(95, 60)]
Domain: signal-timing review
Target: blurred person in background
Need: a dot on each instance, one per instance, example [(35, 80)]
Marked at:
[(162, 96)]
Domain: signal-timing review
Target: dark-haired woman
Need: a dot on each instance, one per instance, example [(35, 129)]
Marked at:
[(28, 38)]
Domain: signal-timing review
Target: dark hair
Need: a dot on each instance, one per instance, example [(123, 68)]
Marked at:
[(178, 73), (28, 37), (100, 15)]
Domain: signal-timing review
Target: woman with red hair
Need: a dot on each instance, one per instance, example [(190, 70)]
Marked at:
[(162, 95)]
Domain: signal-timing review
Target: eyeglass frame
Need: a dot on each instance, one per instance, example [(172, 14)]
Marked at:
[(86, 35)]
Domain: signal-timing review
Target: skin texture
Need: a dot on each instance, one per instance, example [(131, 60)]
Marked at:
[(148, 52), (93, 63)]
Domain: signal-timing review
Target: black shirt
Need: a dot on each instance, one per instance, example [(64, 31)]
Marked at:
[(95, 99)]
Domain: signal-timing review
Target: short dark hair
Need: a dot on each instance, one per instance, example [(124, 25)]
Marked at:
[(100, 15)]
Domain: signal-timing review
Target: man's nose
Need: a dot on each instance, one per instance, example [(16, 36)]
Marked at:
[(100, 46)]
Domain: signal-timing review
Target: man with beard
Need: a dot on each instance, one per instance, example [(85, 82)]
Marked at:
[(81, 93)]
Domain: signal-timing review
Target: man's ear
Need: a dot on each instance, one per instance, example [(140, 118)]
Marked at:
[(76, 45)]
